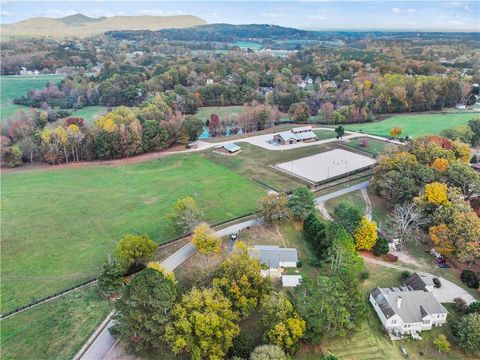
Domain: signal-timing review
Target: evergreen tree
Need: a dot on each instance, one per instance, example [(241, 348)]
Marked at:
[(110, 280)]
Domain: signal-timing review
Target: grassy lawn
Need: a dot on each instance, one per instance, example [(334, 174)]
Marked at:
[(223, 112), (16, 86), (254, 162), (90, 113), (59, 225), (54, 330), (374, 146), (415, 124), (354, 198), (325, 134)]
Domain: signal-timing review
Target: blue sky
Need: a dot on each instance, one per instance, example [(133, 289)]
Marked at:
[(322, 15)]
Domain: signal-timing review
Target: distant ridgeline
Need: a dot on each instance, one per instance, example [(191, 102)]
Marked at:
[(227, 33)]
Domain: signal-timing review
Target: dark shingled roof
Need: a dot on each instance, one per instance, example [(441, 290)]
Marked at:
[(419, 282)]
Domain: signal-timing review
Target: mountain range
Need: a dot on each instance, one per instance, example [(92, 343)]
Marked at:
[(79, 25)]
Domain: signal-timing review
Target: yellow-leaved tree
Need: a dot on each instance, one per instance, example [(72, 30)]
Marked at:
[(203, 324), (441, 238), (205, 240), (365, 234), (436, 193)]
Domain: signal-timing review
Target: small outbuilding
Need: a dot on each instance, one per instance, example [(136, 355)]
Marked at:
[(228, 149), (291, 280)]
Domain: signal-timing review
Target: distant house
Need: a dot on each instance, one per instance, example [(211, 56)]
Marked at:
[(410, 309), (230, 148), (299, 134), (291, 280), (275, 258), (461, 106), (209, 81)]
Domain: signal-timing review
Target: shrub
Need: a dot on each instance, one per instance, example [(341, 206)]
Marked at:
[(470, 279), (242, 345), (381, 247), (405, 275), (460, 304), (364, 143), (437, 283), (467, 333), (391, 258), (473, 308), (299, 264), (364, 275)]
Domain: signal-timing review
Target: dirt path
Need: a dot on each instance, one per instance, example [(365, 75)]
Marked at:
[(368, 204)]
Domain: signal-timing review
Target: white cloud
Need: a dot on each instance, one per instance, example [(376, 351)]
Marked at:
[(411, 10), (396, 10), (5, 13)]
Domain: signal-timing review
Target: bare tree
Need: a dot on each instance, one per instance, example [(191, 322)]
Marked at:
[(405, 220)]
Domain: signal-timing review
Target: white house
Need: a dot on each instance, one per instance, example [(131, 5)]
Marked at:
[(404, 311), (275, 258)]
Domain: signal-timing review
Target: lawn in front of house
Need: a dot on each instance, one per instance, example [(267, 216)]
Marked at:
[(59, 225), (56, 329), (414, 124)]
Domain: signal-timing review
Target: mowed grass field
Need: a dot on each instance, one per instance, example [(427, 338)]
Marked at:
[(416, 124), (54, 330), (90, 113), (223, 112), (374, 146), (58, 225), (15, 86)]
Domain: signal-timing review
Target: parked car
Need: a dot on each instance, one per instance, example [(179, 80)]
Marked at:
[(436, 282), (443, 266)]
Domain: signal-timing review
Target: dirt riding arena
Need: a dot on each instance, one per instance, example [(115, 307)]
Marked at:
[(326, 165)]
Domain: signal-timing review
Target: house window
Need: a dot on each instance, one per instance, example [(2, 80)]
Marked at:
[(394, 322), (426, 322)]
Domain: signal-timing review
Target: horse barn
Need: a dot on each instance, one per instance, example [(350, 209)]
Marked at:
[(298, 134)]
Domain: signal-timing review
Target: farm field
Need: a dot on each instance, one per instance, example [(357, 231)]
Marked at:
[(54, 330), (415, 124), (75, 216), (16, 86), (254, 162)]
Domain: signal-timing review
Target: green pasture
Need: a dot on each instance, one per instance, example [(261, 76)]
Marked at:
[(415, 124), (90, 113), (374, 146), (58, 225), (223, 112), (54, 330), (16, 86)]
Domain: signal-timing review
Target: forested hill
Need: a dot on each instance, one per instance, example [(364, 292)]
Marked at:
[(225, 33)]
